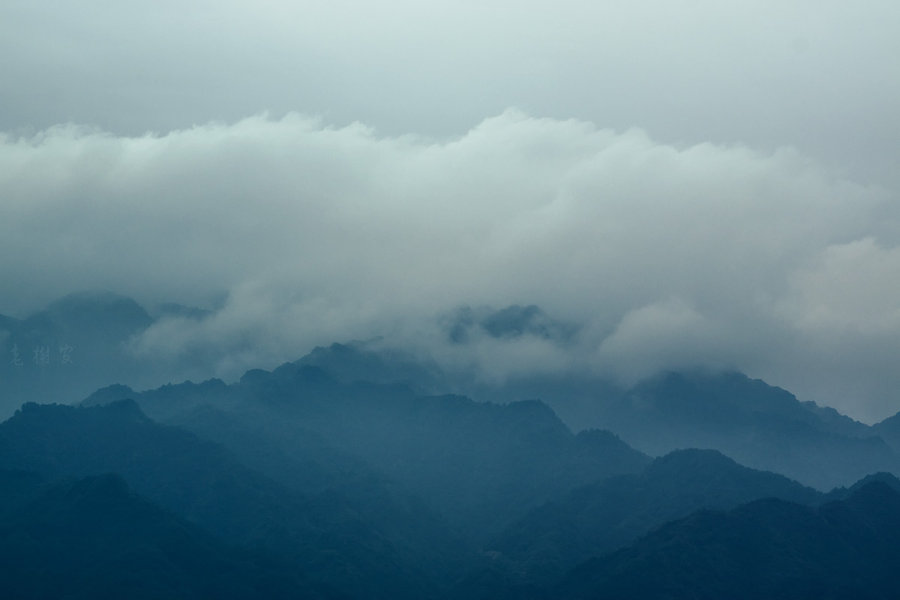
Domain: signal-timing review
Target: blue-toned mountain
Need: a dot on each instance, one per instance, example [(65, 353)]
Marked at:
[(765, 549)]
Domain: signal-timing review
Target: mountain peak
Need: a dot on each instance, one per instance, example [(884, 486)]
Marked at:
[(96, 304), (692, 459), (506, 323), (32, 412), (108, 395)]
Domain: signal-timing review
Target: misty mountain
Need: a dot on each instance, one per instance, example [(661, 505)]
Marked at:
[(173, 309), (480, 465), (758, 425), (373, 361), (514, 321), (194, 478), (889, 431), (94, 538), (574, 396), (99, 316), (70, 348), (323, 536), (842, 493), (765, 549), (458, 300), (372, 489), (355, 467), (355, 362), (605, 515)]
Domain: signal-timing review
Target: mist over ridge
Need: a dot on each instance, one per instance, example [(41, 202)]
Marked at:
[(440, 300), (297, 234)]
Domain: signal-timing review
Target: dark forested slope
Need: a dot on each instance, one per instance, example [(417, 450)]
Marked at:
[(765, 549), (603, 516), (94, 538)]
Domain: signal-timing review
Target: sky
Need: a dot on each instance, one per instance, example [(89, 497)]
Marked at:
[(692, 183)]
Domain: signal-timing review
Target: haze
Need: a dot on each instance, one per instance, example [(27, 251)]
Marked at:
[(690, 183)]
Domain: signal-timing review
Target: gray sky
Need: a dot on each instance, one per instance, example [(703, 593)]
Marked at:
[(695, 182)]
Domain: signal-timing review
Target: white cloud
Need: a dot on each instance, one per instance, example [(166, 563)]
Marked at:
[(810, 73), (852, 287), (666, 335), (667, 255)]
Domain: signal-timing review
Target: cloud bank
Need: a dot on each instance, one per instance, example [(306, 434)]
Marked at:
[(815, 74), (302, 234)]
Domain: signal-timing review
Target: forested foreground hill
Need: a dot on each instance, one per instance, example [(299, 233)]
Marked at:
[(87, 340), (759, 425), (480, 465), (308, 482), (94, 538), (598, 518), (765, 549), (363, 537)]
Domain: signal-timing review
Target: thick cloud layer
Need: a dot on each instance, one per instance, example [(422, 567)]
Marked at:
[(815, 74), (303, 234)]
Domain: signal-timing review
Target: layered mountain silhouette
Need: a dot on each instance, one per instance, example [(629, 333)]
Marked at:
[(360, 471), (765, 549), (511, 322), (600, 517), (94, 538), (82, 342), (69, 349), (480, 465), (323, 535), (758, 425)]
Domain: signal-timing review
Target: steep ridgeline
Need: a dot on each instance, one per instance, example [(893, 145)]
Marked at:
[(372, 491), (376, 363), (889, 431), (93, 538), (603, 516), (85, 340), (68, 349), (322, 537), (758, 425), (480, 465), (573, 396), (771, 548), (842, 493)]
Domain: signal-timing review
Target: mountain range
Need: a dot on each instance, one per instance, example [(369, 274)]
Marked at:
[(358, 471)]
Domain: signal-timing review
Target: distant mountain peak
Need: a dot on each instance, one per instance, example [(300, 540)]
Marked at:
[(881, 478), (693, 458), (874, 491), (506, 323), (95, 303), (117, 409), (108, 394)]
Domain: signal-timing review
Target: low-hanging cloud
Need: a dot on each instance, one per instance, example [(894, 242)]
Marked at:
[(666, 256)]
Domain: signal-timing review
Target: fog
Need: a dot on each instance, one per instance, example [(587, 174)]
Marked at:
[(814, 75), (681, 183), (298, 233)]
